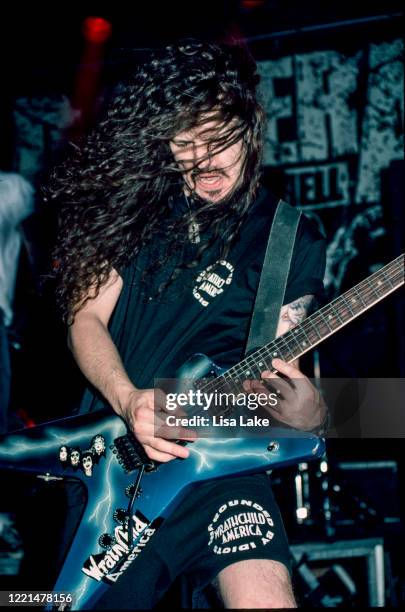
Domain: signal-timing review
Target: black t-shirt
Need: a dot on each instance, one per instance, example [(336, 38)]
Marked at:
[(206, 309)]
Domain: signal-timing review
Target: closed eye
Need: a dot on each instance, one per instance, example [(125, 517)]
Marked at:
[(181, 144)]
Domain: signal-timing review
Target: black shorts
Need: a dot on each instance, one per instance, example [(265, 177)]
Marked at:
[(219, 523)]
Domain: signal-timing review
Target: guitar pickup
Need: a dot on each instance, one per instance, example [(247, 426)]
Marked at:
[(130, 454)]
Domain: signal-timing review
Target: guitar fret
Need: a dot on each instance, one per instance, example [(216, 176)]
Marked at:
[(373, 288), (326, 322), (233, 383), (266, 358), (238, 370), (289, 354), (307, 341), (251, 365), (314, 328), (293, 335), (262, 361), (335, 315), (350, 306), (230, 384), (275, 351), (347, 303), (248, 364), (227, 375), (360, 296), (384, 275)]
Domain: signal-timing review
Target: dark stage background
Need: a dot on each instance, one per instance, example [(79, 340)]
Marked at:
[(332, 87)]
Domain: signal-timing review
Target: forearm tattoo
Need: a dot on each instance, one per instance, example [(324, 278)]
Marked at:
[(293, 314)]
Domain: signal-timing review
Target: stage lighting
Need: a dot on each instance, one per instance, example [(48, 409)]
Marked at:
[(96, 29), (251, 4)]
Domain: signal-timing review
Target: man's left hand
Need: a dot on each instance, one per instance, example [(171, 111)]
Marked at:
[(300, 405)]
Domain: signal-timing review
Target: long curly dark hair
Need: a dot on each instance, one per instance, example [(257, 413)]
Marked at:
[(114, 188)]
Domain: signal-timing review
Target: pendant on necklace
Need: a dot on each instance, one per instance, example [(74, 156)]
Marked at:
[(194, 232)]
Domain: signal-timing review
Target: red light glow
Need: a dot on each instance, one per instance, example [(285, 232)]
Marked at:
[(251, 4), (96, 29)]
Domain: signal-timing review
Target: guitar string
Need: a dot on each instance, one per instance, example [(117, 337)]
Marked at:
[(223, 411), (313, 324), (308, 326), (301, 340), (251, 361), (318, 317)]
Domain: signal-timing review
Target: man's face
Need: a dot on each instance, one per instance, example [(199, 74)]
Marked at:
[(87, 465), (211, 175), (75, 457), (99, 445)]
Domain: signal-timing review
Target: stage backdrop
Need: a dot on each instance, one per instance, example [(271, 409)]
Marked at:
[(334, 142)]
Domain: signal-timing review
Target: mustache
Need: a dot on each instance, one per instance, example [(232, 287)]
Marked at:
[(213, 171)]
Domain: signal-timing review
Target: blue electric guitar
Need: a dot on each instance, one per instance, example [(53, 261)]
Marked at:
[(129, 496)]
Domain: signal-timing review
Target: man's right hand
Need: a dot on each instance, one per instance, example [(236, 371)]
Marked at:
[(99, 360), (144, 410)]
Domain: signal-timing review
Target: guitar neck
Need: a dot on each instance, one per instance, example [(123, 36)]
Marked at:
[(324, 322)]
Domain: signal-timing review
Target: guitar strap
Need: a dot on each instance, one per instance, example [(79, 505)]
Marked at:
[(273, 278)]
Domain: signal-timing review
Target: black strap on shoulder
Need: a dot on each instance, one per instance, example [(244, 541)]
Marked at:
[(273, 278)]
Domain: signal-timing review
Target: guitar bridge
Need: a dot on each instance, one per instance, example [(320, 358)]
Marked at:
[(130, 454)]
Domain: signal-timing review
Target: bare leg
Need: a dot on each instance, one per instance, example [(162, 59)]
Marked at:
[(256, 583)]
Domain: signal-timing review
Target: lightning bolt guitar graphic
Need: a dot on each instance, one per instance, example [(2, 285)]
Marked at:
[(112, 532)]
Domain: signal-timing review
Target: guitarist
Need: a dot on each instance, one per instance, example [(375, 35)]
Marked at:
[(162, 236)]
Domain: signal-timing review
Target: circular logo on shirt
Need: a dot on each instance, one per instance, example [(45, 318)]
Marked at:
[(238, 525), (211, 282)]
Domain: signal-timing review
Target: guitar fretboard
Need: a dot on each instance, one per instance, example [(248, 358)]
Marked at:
[(316, 328)]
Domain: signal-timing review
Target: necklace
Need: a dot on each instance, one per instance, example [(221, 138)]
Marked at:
[(193, 226)]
